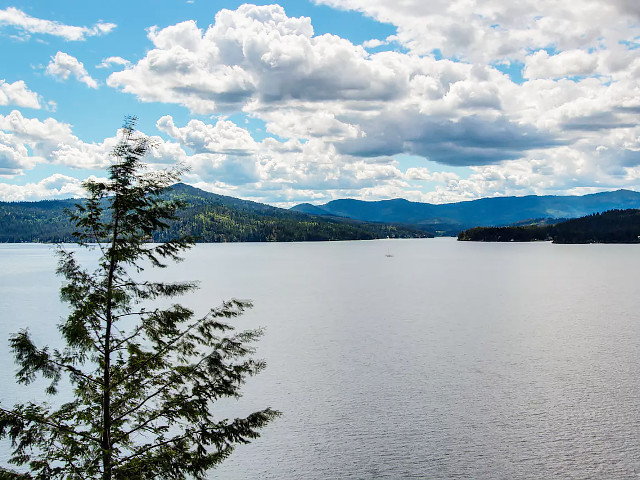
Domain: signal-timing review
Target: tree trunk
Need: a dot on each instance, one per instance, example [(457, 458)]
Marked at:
[(106, 379)]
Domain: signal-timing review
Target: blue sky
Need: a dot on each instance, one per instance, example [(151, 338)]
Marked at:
[(316, 100)]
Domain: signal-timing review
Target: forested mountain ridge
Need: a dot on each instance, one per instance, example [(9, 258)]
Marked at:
[(613, 226), (497, 211), (207, 216), (44, 221)]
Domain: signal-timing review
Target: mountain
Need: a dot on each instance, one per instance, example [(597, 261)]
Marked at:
[(310, 209), (207, 216), (453, 217), (35, 221), (613, 226)]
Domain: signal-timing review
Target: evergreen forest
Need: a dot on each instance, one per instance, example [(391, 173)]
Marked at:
[(207, 216), (613, 226)]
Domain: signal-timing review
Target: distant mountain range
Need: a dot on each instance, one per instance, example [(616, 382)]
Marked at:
[(449, 219), (207, 216), (218, 218)]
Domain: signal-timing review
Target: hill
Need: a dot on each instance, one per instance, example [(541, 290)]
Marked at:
[(614, 226), (450, 218), (208, 216)]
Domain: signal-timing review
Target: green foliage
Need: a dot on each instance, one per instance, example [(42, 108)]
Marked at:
[(206, 217), (613, 226), (43, 221), (528, 233), (215, 221), (143, 378)]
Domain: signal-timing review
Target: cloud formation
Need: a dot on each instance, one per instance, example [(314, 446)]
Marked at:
[(63, 65), (304, 86), (29, 25), (57, 186), (534, 97), (109, 61), (493, 31), (544, 134), (253, 54), (26, 142), (18, 94)]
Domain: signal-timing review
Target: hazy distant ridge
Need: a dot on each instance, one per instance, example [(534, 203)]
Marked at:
[(483, 212)]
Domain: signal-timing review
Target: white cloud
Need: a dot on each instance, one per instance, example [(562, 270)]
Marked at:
[(224, 155), (64, 65), (109, 61), (14, 156), (340, 114), (42, 136), (423, 174), (55, 186), (224, 137), (304, 122), (31, 25), (224, 158), (346, 112), (18, 94), (568, 63), (305, 86), (26, 142), (493, 30), (253, 54), (374, 43)]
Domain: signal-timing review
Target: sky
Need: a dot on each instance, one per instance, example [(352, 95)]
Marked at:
[(315, 100)]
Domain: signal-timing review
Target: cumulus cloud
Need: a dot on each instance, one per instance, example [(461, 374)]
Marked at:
[(28, 25), (18, 94), (224, 137), (219, 151), (470, 140), (424, 174), (304, 122), (568, 63), (26, 142), (223, 157), (223, 148), (14, 156), (339, 113), (346, 112), (374, 43), (255, 53), (109, 61), (63, 65), (492, 31), (305, 86), (577, 170), (54, 187)]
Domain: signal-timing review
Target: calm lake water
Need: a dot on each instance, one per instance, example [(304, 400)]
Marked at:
[(447, 360)]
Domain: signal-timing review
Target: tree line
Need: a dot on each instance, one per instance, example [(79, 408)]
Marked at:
[(612, 226)]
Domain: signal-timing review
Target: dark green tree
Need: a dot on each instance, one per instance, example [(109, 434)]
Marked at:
[(143, 378)]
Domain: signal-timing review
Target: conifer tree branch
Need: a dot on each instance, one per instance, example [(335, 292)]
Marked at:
[(118, 345), (157, 392), (77, 372), (43, 421), (164, 350), (238, 430)]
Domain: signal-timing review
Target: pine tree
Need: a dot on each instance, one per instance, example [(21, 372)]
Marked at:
[(143, 378)]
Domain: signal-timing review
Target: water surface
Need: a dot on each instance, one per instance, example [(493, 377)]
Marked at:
[(448, 360)]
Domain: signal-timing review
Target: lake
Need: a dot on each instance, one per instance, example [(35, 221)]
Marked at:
[(447, 360)]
